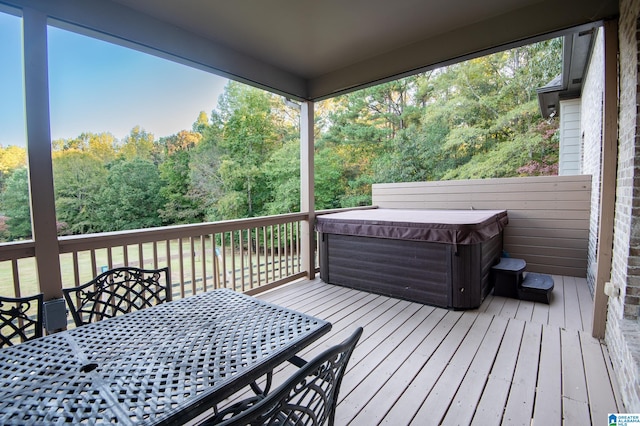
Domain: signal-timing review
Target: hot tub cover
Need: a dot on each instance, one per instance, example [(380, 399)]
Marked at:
[(442, 226)]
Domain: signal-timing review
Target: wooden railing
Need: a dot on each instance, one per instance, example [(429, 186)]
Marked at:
[(247, 255)]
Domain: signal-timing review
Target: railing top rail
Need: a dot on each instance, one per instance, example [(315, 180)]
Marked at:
[(69, 244), (17, 250)]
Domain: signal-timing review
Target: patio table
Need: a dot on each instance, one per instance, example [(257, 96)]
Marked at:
[(161, 365)]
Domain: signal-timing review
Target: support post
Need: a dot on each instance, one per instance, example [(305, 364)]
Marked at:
[(43, 211), (608, 178), (307, 201)]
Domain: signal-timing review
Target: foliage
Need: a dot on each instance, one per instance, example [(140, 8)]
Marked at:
[(475, 119), (131, 196), (175, 175), (138, 144), (78, 178), (15, 204)]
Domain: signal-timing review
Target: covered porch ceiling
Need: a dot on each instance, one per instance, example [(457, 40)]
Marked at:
[(312, 50)]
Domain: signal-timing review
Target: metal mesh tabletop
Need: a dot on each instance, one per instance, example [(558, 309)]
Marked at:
[(156, 366)]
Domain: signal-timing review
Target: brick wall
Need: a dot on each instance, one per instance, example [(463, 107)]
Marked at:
[(591, 136), (623, 332)]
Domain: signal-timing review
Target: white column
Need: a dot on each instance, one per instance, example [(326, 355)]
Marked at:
[(43, 212), (307, 202)]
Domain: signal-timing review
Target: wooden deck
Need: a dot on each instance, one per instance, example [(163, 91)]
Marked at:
[(510, 362)]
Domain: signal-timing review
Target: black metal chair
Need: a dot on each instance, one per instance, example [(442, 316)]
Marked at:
[(118, 291), (309, 397), (20, 319)]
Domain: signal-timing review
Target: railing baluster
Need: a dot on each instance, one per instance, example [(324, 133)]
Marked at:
[(203, 257), (216, 266), (192, 251), (257, 248), (289, 243), (16, 278), (76, 268), (272, 252), (225, 275), (125, 255), (155, 254), (298, 246), (181, 266), (140, 256), (110, 258), (242, 258), (280, 250), (94, 266), (167, 248), (266, 254), (233, 260)]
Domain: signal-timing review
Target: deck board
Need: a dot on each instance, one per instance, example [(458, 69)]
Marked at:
[(437, 403), (519, 408), (383, 401), (406, 406), (463, 405), (548, 409), (508, 362)]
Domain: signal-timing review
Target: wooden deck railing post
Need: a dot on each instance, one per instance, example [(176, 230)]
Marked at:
[(307, 202)]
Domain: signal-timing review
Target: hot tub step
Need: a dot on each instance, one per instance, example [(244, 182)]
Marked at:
[(536, 288), (507, 276)]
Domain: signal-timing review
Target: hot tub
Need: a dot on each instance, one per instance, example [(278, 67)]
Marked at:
[(436, 257)]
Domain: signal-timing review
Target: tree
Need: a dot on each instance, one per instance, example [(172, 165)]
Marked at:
[(138, 144), (131, 198), (201, 124), (11, 158), (16, 206), (78, 179), (282, 173), (247, 140), (100, 145), (175, 174), (206, 185)]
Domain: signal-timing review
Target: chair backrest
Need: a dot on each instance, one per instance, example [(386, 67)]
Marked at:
[(118, 291), (20, 319), (309, 397)]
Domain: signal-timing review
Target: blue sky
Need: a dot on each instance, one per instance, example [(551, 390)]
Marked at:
[(97, 86)]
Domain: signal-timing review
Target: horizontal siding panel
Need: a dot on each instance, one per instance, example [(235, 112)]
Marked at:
[(494, 195), (553, 251), (559, 234), (564, 183), (550, 260), (555, 269), (407, 202), (578, 187), (548, 223), (538, 241), (548, 215)]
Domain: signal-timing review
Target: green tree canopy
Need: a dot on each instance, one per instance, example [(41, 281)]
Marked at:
[(16, 205), (78, 179), (131, 197)]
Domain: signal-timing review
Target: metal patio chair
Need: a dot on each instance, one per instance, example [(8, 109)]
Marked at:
[(308, 397), (118, 291), (20, 319)]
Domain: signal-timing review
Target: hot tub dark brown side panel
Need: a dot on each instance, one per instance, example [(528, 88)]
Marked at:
[(436, 273)]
